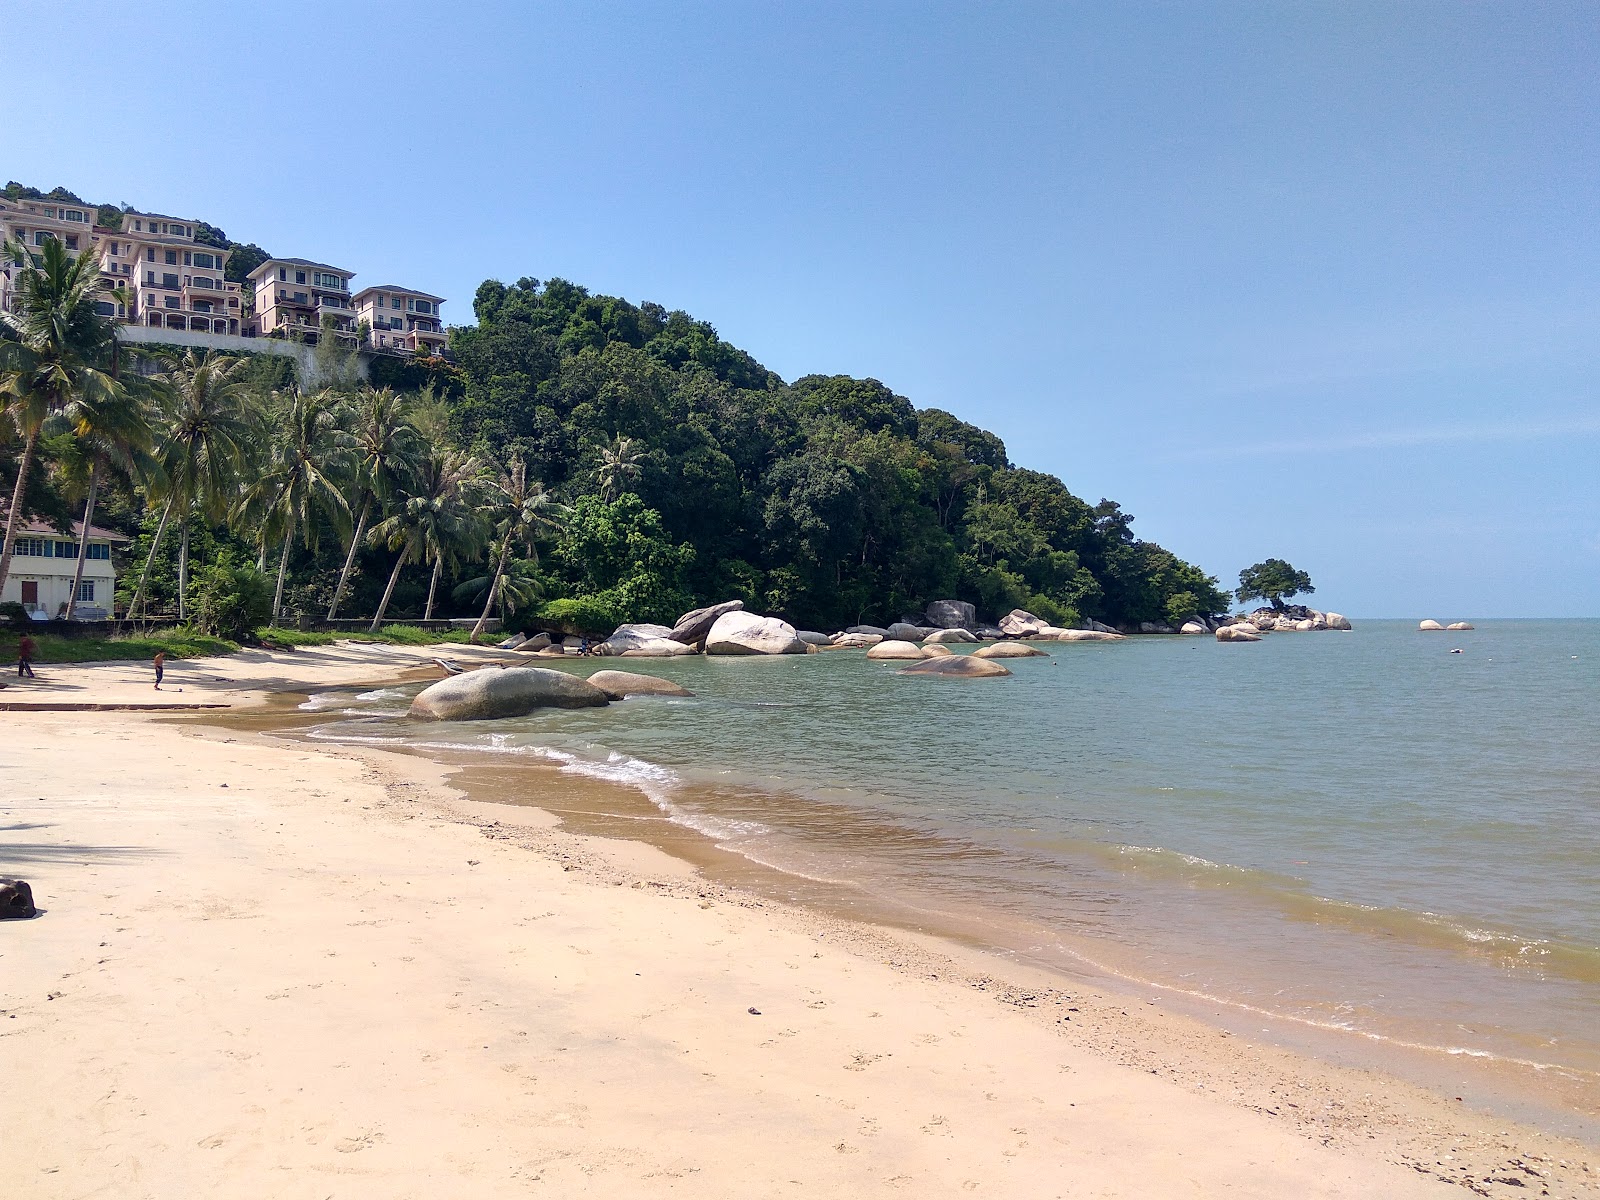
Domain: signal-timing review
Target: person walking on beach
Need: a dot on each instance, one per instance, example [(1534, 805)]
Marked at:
[(161, 667), (26, 651)]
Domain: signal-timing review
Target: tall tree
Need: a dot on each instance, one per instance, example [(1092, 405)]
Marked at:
[(621, 464), (56, 347), (1272, 580), (435, 522), (204, 439), (304, 478), (520, 511), (387, 451)]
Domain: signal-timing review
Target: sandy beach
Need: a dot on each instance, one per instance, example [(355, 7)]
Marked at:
[(267, 967)]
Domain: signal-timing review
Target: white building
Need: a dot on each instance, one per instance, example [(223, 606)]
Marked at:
[(401, 319), (45, 562)]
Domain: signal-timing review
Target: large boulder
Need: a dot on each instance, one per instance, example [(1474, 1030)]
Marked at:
[(533, 645), (1336, 620), (902, 631), (745, 633), (857, 639), (951, 614), (1193, 625), (619, 684), (1461, 625), (988, 633), (967, 666), (896, 649), (1008, 650), (512, 642), (811, 638), (1242, 632), (487, 693), (1155, 627), (1088, 635), (935, 650), (1096, 627), (950, 635), (877, 631), (1020, 621), (1049, 633), (692, 627), (631, 637), (1431, 627), (658, 648)]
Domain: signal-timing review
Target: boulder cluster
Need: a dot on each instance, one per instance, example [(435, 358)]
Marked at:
[(1435, 627), (1292, 618)]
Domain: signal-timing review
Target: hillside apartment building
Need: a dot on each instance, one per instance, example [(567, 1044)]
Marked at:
[(155, 274)]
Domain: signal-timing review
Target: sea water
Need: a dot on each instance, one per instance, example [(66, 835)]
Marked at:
[(1357, 831)]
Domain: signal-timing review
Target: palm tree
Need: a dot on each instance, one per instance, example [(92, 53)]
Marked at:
[(619, 467), (310, 458), (520, 511), (206, 438), (387, 450), (54, 349), (112, 431), (436, 521)]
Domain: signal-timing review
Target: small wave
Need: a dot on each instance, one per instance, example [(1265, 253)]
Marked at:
[(323, 701), (384, 694)]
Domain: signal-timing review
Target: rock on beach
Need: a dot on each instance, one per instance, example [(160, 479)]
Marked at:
[(692, 627), (746, 633), (487, 693)]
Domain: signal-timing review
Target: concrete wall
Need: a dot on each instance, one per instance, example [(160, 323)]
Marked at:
[(305, 356)]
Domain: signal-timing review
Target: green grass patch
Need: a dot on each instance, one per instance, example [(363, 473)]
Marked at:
[(178, 643), (397, 635)]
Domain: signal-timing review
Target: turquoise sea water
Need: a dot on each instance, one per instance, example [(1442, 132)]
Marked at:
[(1359, 831)]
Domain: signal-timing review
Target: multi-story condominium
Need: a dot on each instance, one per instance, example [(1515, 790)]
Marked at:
[(45, 563), (34, 222), (294, 295), (171, 281), (401, 319)]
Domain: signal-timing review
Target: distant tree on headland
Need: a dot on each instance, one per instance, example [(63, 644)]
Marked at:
[(1272, 581)]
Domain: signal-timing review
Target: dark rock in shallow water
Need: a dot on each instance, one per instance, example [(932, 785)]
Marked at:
[(483, 695)]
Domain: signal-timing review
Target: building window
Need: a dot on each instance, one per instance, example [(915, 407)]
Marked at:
[(66, 549), (86, 590), (200, 281), (283, 276), (31, 547), (138, 226), (72, 241), (169, 281), (171, 301), (99, 550), (105, 308), (171, 257), (324, 279), (149, 254), (114, 250), (394, 301), (41, 236), (150, 278), (208, 261)]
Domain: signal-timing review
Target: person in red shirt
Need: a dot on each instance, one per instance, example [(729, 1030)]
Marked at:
[(26, 651)]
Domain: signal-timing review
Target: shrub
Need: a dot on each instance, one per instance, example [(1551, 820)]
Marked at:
[(14, 615), (231, 598), (585, 616)]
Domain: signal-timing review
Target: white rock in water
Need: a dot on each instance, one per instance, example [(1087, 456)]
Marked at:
[(1020, 621), (631, 637), (1238, 633), (1461, 625), (1009, 650), (746, 633), (896, 649), (1305, 626), (1336, 620), (857, 639), (620, 684), (877, 631), (1192, 627), (951, 635), (692, 627), (657, 648), (1088, 635), (488, 693), (1431, 627)]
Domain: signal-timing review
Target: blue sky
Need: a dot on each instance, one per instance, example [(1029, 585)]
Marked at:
[(1319, 281)]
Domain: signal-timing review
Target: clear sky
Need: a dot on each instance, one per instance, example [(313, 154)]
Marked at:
[(1317, 281)]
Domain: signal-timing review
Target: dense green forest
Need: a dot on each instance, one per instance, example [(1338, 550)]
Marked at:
[(578, 460)]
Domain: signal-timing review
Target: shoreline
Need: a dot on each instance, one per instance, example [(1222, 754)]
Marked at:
[(1367, 1119)]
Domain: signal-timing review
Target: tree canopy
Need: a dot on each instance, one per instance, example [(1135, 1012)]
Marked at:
[(1273, 581)]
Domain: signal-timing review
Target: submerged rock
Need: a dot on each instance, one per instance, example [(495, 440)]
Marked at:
[(1088, 635), (487, 693), (1009, 650), (618, 684), (746, 633), (965, 666), (692, 627), (658, 648), (896, 649)]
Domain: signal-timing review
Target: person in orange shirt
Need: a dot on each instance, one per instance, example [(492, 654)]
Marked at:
[(161, 667)]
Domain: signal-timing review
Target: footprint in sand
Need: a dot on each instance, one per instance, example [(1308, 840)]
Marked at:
[(362, 1141)]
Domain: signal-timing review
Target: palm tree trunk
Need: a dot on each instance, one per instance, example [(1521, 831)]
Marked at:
[(83, 538), (494, 586), (16, 505), (383, 605), (183, 570), (155, 544), (433, 585), (350, 559), (283, 571)]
